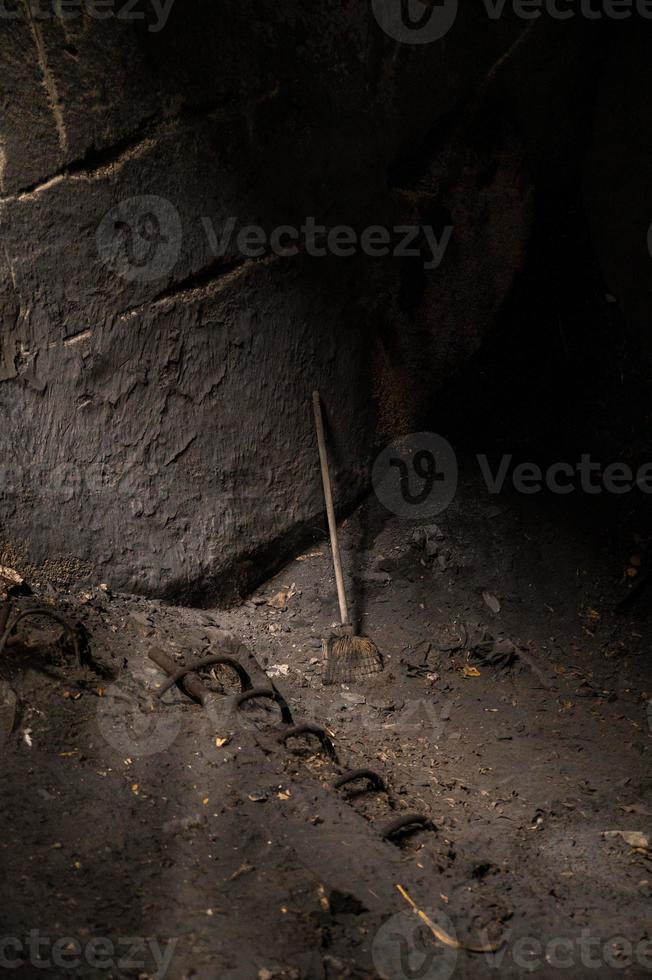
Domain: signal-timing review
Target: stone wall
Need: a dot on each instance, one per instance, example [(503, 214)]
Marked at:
[(156, 430)]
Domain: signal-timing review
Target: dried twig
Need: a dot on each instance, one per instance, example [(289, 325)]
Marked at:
[(440, 934)]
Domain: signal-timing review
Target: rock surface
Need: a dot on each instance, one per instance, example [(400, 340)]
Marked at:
[(155, 396)]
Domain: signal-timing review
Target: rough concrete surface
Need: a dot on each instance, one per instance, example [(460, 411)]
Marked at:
[(519, 726), (156, 430)]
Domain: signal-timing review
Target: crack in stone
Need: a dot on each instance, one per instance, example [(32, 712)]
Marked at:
[(505, 56), (49, 81), (207, 283), (77, 338), (105, 164), (179, 452)]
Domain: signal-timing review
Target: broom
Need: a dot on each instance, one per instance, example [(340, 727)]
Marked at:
[(347, 656)]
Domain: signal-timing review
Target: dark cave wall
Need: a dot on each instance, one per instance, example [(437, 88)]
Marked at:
[(157, 434), (616, 179)]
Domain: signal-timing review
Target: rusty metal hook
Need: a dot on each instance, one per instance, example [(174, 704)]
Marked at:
[(243, 676), (375, 781), (310, 729), (12, 622), (404, 823), (269, 694)]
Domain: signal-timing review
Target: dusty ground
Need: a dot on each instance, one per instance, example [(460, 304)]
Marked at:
[(189, 842)]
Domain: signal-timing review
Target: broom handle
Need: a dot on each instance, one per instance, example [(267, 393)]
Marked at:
[(330, 510)]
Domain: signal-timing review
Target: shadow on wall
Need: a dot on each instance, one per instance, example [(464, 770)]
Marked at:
[(156, 361)]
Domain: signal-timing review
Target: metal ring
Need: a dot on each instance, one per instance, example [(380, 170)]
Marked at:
[(243, 676), (270, 695), (414, 820), (375, 780), (49, 613), (309, 729)]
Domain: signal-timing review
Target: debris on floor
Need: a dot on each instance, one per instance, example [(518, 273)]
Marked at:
[(209, 759)]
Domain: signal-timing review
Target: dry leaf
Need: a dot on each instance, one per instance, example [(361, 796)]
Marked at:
[(323, 897), (492, 601), (632, 837), (471, 672), (279, 601), (10, 576), (244, 869), (441, 934), (638, 808)]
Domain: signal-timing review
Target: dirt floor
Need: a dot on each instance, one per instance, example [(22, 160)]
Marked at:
[(148, 839)]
